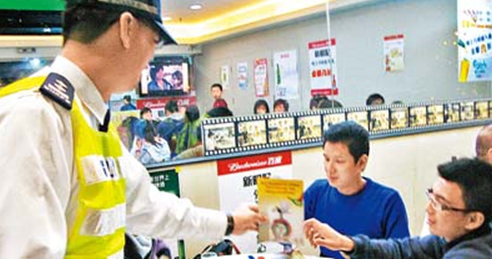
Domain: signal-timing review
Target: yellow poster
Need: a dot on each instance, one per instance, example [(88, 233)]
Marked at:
[(282, 201)]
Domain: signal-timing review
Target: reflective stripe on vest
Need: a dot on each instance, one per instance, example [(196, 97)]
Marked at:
[(99, 225)]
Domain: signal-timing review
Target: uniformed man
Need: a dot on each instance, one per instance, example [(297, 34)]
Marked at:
[(69, 188)]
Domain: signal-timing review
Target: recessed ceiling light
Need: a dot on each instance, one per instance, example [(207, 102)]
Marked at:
[(196, 7)]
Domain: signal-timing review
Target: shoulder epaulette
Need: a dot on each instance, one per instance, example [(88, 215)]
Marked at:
[(59, 89)]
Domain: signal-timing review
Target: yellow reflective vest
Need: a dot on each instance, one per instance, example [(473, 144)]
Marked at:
[(99, 226)]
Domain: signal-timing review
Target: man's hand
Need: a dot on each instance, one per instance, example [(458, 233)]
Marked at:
[(320, 234), (247, 218)]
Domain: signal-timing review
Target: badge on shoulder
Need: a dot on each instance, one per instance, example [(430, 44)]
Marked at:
[(59, 89)]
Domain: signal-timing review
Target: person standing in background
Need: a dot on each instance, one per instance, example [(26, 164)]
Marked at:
[(76, 189), (216, 91), (128, 106)]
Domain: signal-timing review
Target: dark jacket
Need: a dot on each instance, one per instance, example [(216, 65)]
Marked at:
[(477, 244)]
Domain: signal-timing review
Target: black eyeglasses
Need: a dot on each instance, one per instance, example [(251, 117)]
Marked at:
[(439, 206)]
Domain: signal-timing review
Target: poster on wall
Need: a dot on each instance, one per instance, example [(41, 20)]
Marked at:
[(261, 77), (474, 40), (393, 53), (323, 68), (224, 76), (242, 75), (237, 185), (286, 75), (168, 181)]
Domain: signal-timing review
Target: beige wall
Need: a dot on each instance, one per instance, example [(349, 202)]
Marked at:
[(406, 163)]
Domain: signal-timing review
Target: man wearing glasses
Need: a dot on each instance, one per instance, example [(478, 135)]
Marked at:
[(69, 189), (458, 214)]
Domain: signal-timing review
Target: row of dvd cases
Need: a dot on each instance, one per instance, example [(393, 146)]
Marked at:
[(249, 133)]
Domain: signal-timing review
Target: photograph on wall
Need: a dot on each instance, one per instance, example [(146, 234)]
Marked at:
[(481, 109), (323, 67), (418, 116), (237, 179), (308, 127), (435, 114), (399, 118), (331, 119), (467, 111), (282, 201), (242, 75), (474, 40), (260, 71), (394, 53), (452, 112), (281, 129), (286, 74), (251, 133), (379, 120), (360, 117), (219, 136)]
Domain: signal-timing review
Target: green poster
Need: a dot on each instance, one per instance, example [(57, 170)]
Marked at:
[(168, 181)]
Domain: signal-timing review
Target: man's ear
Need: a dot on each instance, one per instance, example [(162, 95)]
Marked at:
[(488, 155), (127, 26), (362, 162), (474, 220)]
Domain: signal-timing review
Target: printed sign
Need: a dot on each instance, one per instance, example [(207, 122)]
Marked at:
[(323, 68)]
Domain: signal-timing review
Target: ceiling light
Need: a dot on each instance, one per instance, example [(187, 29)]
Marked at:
[(196, 7), (166, 18)]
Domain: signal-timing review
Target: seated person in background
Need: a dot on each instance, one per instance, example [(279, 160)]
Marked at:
[(154, 149), (189, 136), (281, 106), (375, 100), (315, 100), (170, 127), (261, 107), (329, 103), (459, 210), (128, 106), (397, 102), (347, 201)]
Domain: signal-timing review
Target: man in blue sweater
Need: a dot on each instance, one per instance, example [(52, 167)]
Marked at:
[(347, 201), (458, 213)]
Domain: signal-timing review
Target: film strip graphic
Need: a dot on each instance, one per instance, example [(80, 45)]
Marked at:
[(259, 132)]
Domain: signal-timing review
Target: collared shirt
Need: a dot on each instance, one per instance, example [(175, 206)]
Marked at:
[(39, 188)]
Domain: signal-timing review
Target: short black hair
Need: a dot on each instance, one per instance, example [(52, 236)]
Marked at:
[(219, 112), (85, 23), (373, 97), (261, 102), (351, 134), (128, 98), (171, 106), (192, 113), (144, 110), (329, 103), (283, 102), (474, 177), (216, 85)]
